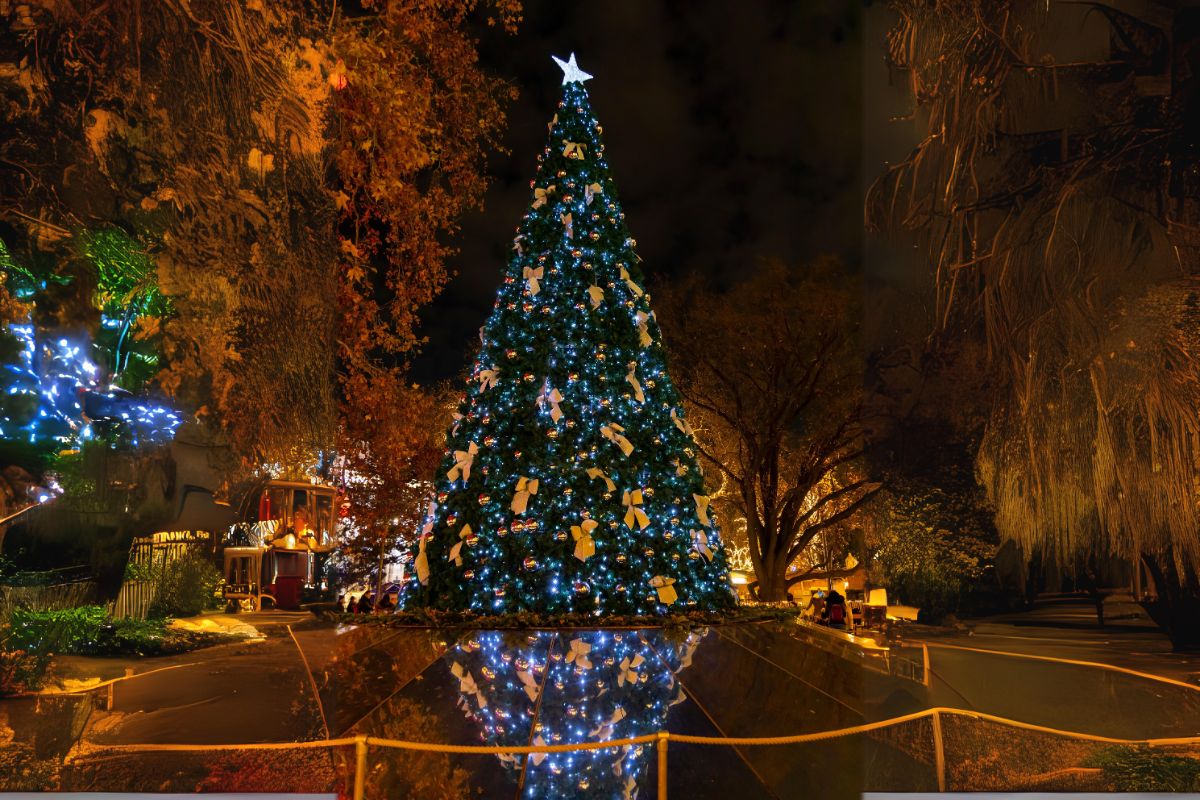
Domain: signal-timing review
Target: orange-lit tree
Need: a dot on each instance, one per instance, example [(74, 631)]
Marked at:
[(771, 371)]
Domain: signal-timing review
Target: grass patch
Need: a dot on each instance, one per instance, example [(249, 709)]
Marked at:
[(465, 620), (1140, 769)]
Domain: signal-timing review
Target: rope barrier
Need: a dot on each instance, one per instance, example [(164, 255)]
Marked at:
[(91, 687), (801, 738), (1072, 662), (660, 739)]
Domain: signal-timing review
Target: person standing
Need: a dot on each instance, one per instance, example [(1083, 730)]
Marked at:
[(835, 609)]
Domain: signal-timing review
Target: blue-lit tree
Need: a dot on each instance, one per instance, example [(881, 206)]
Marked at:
[(570, 482)]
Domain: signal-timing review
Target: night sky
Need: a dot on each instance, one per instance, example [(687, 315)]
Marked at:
[(733, 131)]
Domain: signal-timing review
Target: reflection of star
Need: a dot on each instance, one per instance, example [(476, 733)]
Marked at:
[(571, 71)]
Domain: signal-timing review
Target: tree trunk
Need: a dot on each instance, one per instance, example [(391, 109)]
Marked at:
[(1177, 608), (772, 584)]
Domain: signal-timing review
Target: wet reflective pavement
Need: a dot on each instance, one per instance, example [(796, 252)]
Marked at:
[(495, 688), (556, 687)]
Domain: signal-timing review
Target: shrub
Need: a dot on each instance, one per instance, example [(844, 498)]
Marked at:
[(86, 630), (65, 630), (22, 671), (186, 586), (1139, 769)]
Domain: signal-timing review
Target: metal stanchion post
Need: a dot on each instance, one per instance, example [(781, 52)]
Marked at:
[(360, 767), (663, 736), (939, 751)]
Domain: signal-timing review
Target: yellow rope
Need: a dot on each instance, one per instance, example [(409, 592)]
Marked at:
[(654, 737), (1071, 661), (94, 686)]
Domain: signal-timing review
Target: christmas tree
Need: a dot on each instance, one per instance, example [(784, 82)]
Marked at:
[(570, 482)]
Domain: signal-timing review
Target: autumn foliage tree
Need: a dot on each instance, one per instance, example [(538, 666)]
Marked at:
[(771, 371), (293, 170)]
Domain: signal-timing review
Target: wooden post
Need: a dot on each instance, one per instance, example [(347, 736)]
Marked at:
[(925, 679), (939, 752), (360, 766), (663, 736)]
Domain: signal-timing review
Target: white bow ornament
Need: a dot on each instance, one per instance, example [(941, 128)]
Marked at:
[(634, 514), (577, 655), (585, 545), (525, 489), (463, 459), (628, 670), (533, 276), (542, 196), (614, 433), (666, 592)]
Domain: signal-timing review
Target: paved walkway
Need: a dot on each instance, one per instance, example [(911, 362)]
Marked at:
[(1056, 666)]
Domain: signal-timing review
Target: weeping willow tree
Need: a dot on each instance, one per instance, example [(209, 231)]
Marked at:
[(1053, 195)]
